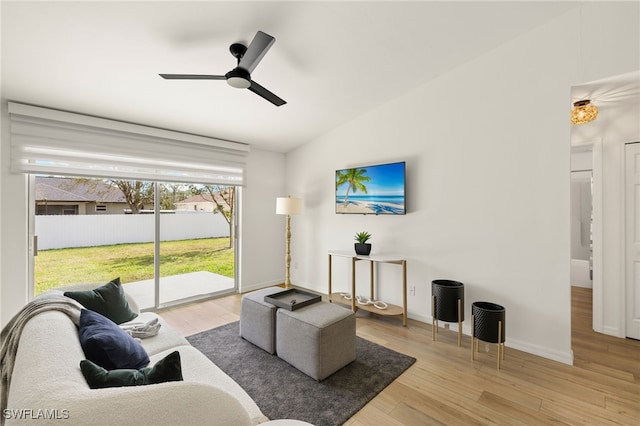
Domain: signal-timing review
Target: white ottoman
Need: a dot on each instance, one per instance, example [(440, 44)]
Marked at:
[(258, 319), (318, 339)]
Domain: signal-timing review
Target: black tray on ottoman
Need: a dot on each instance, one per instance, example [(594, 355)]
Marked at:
[(299, 298)]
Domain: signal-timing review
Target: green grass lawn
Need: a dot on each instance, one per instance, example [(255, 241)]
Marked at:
[(130, 262)]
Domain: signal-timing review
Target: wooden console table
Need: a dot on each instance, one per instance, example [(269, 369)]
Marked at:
[(392, 310)]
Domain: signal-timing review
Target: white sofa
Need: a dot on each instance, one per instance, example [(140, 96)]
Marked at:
[(47, 383)]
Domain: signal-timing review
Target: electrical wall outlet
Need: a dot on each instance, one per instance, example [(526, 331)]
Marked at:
[(412, 290)]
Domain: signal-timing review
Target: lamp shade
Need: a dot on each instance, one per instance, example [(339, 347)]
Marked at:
[(288, 205)]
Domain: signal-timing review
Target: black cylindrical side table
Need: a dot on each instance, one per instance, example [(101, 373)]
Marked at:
[(447, 304), (488, 325)]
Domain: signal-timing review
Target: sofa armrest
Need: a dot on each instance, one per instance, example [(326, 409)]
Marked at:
[(183, 403), (133, 305)]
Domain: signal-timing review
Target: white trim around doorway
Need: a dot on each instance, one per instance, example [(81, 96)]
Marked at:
[(595, 147)]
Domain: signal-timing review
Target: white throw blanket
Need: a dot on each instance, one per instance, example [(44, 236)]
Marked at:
[(141, 330), (10, 335)]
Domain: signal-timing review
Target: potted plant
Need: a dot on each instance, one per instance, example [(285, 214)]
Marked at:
[(362, 247)]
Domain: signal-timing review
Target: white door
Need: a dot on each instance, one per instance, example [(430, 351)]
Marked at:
[(632, 184)]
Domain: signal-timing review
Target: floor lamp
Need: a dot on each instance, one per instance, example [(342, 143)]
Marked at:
[(288, 206)]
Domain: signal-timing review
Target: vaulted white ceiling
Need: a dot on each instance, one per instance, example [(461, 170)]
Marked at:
[(331, 61)]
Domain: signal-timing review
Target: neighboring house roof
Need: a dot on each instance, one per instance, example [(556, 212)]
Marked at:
[(74, 189), (197, 199), (204, 198)]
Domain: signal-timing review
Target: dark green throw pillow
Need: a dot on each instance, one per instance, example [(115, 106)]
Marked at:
[(108, 300), (167, 369)]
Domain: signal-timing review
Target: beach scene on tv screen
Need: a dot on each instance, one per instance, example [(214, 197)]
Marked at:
[(371, 190)]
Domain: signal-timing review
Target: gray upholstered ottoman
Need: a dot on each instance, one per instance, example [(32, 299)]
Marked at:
[(258, 319), (318, 339)]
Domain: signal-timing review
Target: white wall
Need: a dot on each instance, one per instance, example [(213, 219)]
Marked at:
[(2, 115), (488, 174), (581, 160), (262, 231), (13, 226), (581, 215)]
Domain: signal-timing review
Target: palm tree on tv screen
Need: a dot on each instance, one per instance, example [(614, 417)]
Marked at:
[(355, 178)]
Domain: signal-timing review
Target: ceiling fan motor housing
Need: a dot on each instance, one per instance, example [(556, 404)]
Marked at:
[(238, 78)]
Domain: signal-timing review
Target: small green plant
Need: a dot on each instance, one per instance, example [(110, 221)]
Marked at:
[(362, 237)]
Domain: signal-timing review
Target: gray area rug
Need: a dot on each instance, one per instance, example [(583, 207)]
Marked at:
[(283, 392)]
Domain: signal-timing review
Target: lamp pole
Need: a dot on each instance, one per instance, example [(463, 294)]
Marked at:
[(288, 206), (287, 255)]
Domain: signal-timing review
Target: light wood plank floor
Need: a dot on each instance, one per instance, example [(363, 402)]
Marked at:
[(444, 387)]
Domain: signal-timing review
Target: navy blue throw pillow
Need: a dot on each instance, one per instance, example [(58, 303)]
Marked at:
[(107, 345)]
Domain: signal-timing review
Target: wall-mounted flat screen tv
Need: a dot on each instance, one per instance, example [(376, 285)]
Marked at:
[(377, 189)]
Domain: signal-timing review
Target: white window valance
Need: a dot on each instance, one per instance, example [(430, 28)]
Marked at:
[(63, 143)]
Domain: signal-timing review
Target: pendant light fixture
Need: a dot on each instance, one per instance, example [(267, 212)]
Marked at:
[(583, 112)]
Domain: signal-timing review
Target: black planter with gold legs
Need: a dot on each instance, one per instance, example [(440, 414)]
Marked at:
[(447, 304), (488, 325)]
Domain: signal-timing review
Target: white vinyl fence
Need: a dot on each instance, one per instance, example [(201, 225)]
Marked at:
[(98, 230)]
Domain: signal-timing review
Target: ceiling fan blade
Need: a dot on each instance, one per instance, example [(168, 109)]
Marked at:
[(261, 91), (259, 46), (192, 77)]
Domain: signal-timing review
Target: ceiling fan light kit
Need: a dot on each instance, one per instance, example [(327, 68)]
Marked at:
[(583, 112), (240, 77)]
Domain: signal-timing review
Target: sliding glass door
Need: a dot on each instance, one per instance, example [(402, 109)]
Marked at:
[(84, 232), (196, 245), (168, 242)]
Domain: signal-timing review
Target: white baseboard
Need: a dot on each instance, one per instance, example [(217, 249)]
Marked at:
[(565, 358), (258, 286), (419, 317)]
